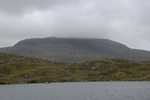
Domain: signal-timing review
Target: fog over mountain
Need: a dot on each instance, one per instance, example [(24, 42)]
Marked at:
[(125, 21), (75, 49)]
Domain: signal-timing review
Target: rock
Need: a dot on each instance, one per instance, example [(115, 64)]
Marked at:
[(96, 66), (1, 62)]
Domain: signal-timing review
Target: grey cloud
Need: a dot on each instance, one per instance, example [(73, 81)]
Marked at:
[(125, 21), (27, 6)]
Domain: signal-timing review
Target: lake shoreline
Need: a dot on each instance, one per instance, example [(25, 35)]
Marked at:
[(67, 82)]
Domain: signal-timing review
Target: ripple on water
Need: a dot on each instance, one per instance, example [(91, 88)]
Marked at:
[(77, 91)]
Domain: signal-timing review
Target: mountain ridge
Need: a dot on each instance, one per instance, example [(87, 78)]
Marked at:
[(75, 49)]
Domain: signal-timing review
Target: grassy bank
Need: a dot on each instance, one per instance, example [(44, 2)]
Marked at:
[(20, 69)]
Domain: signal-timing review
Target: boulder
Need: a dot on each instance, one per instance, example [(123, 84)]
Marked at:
[(1, 62)]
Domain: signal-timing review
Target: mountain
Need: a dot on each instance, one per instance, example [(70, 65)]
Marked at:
[(75, 49), (20, 69)]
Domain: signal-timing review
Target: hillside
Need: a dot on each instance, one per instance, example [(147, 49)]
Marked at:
[(18, 69), (74, 49)]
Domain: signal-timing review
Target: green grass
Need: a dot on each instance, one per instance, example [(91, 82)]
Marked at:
[(20, 69)]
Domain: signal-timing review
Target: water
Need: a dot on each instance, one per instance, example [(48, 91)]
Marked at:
[(77, 91)]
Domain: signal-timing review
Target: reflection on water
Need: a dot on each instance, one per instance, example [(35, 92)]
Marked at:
[(77, 91)]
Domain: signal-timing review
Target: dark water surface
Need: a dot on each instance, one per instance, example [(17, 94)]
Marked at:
[(77, 91)]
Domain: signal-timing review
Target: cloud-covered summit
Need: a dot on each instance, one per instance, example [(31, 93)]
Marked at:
[(125, 21)]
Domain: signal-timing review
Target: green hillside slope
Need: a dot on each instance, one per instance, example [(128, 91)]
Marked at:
[(18, 69)]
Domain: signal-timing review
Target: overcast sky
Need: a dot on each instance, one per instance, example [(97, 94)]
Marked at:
[(125, 21)]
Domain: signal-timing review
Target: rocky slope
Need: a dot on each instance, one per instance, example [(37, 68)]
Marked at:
[(20, 69)]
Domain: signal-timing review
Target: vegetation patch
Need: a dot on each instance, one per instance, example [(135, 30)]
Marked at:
[(20, 69)]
